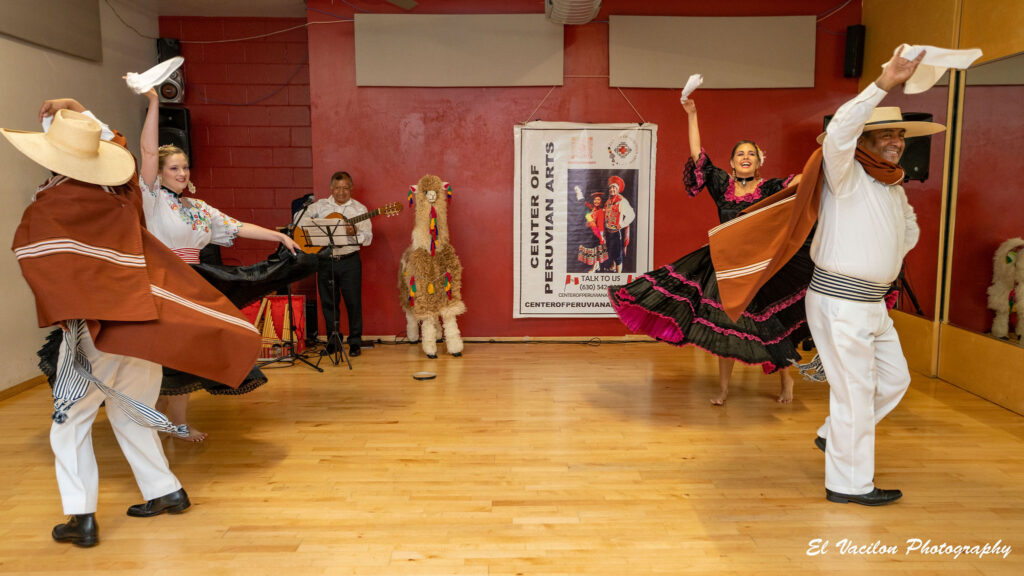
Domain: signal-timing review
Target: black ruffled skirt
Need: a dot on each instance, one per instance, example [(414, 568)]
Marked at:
[(679, 304)]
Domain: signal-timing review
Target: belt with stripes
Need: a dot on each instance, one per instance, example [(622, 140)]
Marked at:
[(847, 287)]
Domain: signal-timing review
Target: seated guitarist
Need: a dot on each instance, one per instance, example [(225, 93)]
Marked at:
[(343, 261)]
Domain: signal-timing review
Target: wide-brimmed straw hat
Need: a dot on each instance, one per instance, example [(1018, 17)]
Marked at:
[(890, 117), (73, 147)]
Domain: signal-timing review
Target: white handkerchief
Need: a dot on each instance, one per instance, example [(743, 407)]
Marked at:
[(141, 83), (692, 84), (935, 63)]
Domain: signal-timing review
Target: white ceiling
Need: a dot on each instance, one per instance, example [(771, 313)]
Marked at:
[(237, 8)]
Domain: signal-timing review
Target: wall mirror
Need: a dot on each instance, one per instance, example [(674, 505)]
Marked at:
[(990, 194)]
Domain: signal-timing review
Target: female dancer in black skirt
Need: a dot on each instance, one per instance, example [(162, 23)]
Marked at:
[(679, 303), (187, 225)]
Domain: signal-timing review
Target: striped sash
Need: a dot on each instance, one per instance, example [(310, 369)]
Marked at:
[(74, 375), (847, 287), (189, 255)]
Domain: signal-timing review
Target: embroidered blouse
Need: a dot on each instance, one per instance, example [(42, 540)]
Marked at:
[(703, 174), (185, 226)]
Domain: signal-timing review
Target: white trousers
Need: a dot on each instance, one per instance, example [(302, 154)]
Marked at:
[(867, 376), (77, 474)]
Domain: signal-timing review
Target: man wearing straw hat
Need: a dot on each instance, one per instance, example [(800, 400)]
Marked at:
[(865, 228), (127, 305), (851, 188)]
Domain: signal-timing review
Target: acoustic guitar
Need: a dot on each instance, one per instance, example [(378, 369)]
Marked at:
[(299, 235)]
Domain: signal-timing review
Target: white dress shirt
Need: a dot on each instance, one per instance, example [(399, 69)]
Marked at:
[(865, 227), (345, 244)]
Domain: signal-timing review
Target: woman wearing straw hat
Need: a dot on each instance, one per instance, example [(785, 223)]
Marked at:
[(678, 303), (119, 295)]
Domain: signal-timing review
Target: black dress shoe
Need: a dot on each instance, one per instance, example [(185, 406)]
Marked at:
[(173, 503), (876, 497), (80, 530), (820, 443), (354, 351)]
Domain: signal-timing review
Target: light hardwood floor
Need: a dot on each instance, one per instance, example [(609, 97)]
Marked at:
[(536, 459)]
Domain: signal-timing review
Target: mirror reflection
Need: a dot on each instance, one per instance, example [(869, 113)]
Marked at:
[(990, 204)]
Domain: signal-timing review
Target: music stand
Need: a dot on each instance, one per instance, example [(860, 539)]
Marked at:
[(324, 232), (290, 356)]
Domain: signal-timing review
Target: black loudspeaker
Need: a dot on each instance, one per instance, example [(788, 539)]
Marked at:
[(917, 152), (174, 123), (167, 48), (172, 91), (853, 64)]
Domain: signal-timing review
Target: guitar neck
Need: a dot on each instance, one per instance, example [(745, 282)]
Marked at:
[(361, 217)]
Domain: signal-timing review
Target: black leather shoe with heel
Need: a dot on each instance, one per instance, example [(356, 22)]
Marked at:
[(876, 497), (80, 529), (173, 503)]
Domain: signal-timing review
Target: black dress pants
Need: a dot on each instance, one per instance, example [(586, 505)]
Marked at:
[(348, 278)]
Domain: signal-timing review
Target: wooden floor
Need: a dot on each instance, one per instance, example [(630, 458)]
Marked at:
[(535, 459)]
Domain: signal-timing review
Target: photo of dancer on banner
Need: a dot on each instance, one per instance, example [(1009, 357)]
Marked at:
[(600, 213)]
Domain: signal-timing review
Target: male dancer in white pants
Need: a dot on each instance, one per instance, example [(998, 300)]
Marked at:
[(125, 301), (865, 228)]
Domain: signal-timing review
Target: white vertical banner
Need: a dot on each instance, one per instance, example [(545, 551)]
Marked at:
[(583, 214)]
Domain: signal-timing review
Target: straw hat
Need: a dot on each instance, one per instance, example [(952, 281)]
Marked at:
[(889, 117), (72, 147)]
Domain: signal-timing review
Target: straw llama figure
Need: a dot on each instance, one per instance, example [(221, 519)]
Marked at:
[(430, 274), (1006, 293)]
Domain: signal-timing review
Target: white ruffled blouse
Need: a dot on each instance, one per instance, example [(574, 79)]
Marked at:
[(185, 226)]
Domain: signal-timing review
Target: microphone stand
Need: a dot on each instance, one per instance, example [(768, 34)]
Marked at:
[(904, 286)]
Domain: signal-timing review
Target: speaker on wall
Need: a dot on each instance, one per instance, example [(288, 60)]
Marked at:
[(916, 159), (172, 90), (853, 63), (167, 48), (918, 151), (174, 129)]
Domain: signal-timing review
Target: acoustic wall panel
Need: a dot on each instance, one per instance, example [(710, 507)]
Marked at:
[(69, 26), (662, 52), (457, 50)]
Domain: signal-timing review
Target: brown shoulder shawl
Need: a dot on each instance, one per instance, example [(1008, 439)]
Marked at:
[(748, 250), (85, 254)]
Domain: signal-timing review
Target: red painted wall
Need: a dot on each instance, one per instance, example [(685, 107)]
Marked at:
[(990, 199), (303, 118), (250, 125), (389, 137)]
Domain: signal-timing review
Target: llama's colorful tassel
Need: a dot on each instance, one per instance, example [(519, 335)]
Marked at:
[(433, 230)]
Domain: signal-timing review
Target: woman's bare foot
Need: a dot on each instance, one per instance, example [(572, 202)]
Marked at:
[(786, 388), (724, 373), (193, 435), (177, 411)]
